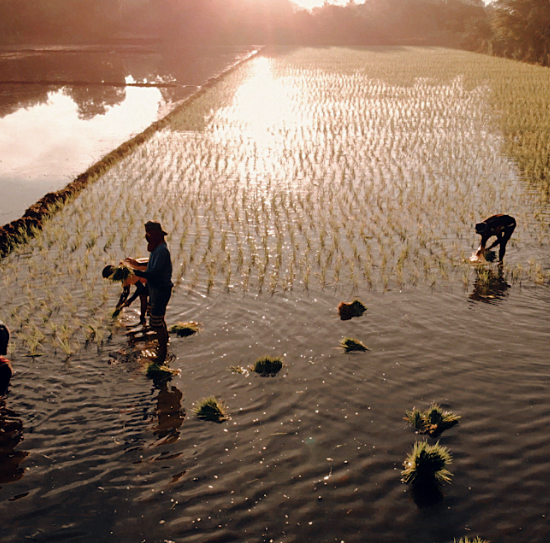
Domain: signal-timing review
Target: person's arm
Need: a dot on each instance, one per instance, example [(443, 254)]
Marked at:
[(123, 296), (140, 264), (157, 264), (132, 297)]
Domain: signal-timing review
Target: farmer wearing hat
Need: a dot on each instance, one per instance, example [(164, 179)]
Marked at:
[(159, 281), (501, 226)]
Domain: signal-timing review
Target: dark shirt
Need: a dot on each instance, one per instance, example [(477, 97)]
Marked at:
[(159, 269), (5, 374), (497, 223)]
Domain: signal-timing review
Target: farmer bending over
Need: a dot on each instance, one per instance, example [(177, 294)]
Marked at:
[(5, 367), (141, 289), (159, 281), (501, 226)]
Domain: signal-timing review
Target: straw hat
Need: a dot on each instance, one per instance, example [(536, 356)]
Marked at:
[(153, 226)]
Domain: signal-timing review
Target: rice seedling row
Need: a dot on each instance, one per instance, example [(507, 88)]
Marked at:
[(303, 171)]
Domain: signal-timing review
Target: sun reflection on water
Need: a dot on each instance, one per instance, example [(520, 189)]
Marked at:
[(263, 109)]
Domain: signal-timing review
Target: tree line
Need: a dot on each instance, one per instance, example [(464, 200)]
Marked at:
[(517, 29)]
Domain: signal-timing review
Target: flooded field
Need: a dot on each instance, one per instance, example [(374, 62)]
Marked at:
[(63, 108), (304, 178)]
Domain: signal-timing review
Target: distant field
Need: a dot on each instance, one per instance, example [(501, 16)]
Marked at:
[(338, 168)]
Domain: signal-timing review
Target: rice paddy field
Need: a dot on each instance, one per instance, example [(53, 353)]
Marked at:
[(304, 178)]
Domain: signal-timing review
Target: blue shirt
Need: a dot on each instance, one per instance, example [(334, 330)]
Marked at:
[(159, 269)]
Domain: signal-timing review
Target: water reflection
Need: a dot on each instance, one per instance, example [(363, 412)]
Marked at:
[(489, 286), (169, 412), (62, 109), (11, 434)]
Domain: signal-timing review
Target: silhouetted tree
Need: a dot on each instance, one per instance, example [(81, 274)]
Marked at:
[(522, 30)]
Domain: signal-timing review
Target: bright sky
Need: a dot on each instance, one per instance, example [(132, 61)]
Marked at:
[(308, 4)]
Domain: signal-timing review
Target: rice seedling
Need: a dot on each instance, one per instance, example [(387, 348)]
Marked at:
[(476, 539), (210, 409), (350, 345), (185, 329), (285, 214), (427, 465), (433, 421), (267, 366)]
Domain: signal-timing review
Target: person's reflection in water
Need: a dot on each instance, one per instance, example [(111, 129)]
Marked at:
[(489, 286), (169, 412), (11, 434)]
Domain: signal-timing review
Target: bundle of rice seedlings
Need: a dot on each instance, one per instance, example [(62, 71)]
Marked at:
[(155, 371), (120, 273), (184, 329), (353, 309), (210, 409), (477, 539), (427, 465), (267, 365), (433, 421), (349, 345)]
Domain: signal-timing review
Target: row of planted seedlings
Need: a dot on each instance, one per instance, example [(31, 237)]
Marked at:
[(346, 213)]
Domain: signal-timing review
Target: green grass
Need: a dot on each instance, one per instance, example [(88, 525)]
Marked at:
[(427, 465)]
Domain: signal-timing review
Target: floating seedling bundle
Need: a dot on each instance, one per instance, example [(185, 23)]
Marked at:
[(353, 309), (160, 372), (210, 409), (433, 421), (184, 329), (267, 365), (350, 345), (427, 465)]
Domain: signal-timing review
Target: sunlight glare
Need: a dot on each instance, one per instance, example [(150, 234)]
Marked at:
[(262, 103)]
